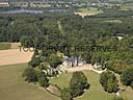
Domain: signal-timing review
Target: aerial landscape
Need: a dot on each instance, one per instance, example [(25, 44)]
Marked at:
[(66, 49)]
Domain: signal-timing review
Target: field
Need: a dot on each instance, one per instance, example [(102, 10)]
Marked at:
[(95, 92), (14, 56), (13, 87), (88, 11)]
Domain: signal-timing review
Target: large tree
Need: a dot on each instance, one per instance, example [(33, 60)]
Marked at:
[(78, 84), (127, 77), (109, 82)]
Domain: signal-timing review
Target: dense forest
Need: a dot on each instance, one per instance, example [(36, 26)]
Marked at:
[(95, 39)]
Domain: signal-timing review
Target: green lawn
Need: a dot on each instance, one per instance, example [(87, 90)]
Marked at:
[(4, 46), (13, 87), (95, 92)]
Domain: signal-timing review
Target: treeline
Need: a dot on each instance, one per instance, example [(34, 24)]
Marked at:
[(72, 31)]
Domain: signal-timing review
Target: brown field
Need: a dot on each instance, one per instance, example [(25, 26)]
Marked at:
[(14, 56)]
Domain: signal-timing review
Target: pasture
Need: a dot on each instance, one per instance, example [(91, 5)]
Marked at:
[(91, 11), (13, 87)]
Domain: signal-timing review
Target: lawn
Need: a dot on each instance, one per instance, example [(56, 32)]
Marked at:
[(13, 87), (95, 92)]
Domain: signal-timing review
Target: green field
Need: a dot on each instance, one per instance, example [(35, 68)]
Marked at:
[(13, 87), (5, 46), (126, 7), (95, 92), (89, 11)]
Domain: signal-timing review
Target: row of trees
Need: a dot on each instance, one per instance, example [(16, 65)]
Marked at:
[(12, 27)]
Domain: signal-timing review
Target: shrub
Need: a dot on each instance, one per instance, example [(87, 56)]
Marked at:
[(44, 66), (109, 82), (78, 83), (35, 61), (127, 77), (43, 80), (132, 85), (30, 74)]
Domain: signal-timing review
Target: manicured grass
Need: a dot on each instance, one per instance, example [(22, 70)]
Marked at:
[(13, 87), (95, 92), (62, 81), (5, 46)]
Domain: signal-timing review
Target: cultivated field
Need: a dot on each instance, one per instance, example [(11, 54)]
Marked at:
[(88, 11), (14, 56), (13, 87)]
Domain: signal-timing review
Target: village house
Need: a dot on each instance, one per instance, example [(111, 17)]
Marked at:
[(4, 3)]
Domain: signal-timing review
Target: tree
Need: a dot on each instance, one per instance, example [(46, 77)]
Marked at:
[(30, 74), (43, 80), (109, 82), (54, 60), (78, 83), (127, 77), (65, 94), (26, 41), (44, 65), (35, 61)]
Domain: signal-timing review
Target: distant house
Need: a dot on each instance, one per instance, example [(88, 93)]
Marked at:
[(19, 4), (4, 3)]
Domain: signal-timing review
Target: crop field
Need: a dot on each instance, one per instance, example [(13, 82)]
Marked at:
[(14, 56), (88, 11)]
